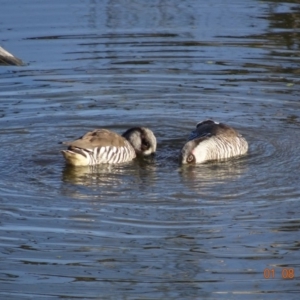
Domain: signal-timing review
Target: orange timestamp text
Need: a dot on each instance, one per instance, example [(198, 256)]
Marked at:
[(286, 273)]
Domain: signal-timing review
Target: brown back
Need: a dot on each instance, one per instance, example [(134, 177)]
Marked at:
[(210, 128), (98, 138)]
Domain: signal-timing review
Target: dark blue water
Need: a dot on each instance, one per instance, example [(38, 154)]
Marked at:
[(149, 229)]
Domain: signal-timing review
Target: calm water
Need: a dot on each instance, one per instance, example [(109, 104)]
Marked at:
[(150, 229)]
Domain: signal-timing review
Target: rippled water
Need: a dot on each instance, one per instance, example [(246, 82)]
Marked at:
[(150, 229)]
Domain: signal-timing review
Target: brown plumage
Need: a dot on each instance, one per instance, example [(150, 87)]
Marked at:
[(105, 146), (98, 138)]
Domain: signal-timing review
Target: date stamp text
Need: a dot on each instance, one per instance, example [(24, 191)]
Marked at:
[(284, 273)]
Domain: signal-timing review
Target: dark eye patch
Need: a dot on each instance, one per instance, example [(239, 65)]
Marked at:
[(145, 144), (190, 159)]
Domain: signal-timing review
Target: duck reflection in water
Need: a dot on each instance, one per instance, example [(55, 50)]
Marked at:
[(141, 171), (213, 172)]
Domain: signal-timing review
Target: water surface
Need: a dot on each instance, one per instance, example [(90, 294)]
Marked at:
[(149, 229)]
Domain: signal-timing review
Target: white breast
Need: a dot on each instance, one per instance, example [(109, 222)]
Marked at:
[(216, 148)]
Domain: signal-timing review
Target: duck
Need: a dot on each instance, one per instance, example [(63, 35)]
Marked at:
[(212, 141), (7, 58), (103, 146)]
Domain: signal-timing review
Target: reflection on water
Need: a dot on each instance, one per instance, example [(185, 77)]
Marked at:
[(212, 173), (108, 175), (149, 228)]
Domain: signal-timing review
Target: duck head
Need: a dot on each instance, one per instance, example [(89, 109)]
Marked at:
[(142, 140)]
